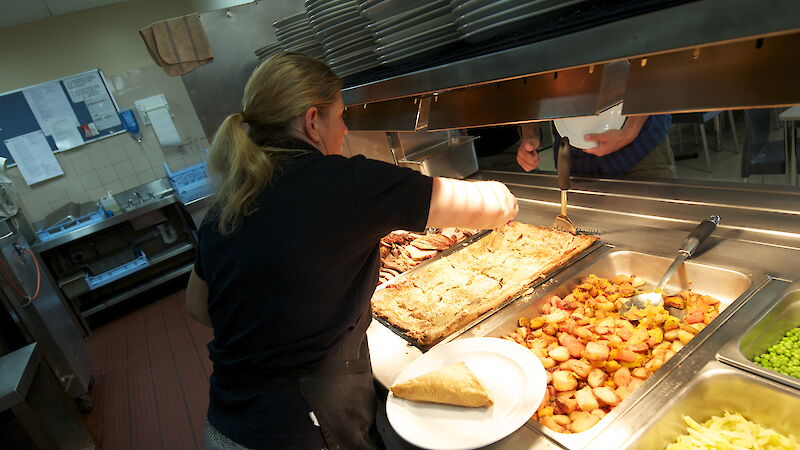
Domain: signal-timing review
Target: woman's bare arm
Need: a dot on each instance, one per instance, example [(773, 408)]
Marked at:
[(471, 204), (197, 299)]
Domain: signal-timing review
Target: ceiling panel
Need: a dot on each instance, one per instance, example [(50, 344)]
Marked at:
[(22, 11), (14, 12), (59, 7)]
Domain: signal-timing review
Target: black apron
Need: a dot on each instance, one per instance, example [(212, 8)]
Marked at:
[(340, 391), (342, 395)]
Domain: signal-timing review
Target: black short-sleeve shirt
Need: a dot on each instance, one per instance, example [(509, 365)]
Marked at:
[(300, 270)]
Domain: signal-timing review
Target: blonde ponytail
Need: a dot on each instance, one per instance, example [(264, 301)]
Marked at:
[(245, 169), (278, 92)]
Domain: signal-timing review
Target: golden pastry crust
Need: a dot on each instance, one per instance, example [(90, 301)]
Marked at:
[(452, 292), (451, 385)]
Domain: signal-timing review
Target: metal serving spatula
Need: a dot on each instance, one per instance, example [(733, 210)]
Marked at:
[(695, 238), (562, 222)]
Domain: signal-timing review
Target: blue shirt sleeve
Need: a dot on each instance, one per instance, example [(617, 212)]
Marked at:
[(623, 160)]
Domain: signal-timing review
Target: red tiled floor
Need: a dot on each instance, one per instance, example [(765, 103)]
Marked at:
[(151, 369)]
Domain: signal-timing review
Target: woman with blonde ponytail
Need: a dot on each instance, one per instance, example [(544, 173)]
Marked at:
[(288, 260)]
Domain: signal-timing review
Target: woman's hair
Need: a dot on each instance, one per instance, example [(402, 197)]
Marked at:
[(279, 91)]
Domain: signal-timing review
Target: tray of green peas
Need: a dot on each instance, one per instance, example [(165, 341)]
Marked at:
[(784, 355), (770, 344)]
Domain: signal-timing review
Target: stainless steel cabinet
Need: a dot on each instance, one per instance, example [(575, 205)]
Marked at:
[(113, 260)]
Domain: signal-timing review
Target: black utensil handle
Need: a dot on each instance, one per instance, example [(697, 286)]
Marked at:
[(699, 234), (563, 164)]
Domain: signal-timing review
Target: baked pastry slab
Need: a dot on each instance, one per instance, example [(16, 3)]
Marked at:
[(448, 294), (451, 385)]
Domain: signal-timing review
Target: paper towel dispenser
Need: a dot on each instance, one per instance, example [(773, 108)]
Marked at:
[(155, 111)]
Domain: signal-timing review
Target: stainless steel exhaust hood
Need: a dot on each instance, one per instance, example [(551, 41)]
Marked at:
[(703, 55)]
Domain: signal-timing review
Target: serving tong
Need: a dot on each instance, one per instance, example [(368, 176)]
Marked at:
[(690, 244), (562, 222)]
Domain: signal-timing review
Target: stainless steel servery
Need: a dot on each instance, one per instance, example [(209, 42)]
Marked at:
[(695, 238)]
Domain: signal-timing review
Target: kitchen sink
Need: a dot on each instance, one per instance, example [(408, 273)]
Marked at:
[(144, 194), (716, 389), (142, 199)]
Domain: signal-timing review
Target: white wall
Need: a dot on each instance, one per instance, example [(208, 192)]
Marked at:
[(105, 38)]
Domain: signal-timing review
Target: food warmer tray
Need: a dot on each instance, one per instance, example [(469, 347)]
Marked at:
[(538, 282), (703, 386), (777, 316), (730, 287)]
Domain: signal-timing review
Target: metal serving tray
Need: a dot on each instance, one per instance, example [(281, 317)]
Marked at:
[(405, 275), (782, 314), (730, 287), (453, 158), (440, 255), (718, 388)]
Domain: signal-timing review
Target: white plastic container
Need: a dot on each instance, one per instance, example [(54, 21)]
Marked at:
[(109, 203)]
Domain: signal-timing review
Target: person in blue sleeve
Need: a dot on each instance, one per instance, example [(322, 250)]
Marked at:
[(288, 260), (638, 150)]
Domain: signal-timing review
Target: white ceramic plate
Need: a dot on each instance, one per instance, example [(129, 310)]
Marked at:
[(575, 128), (514, 377)]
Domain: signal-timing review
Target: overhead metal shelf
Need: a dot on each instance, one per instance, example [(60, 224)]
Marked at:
[(690, 26)]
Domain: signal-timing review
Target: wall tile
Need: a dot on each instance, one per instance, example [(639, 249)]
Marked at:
[(36, 199), (115, 187), (66, 165), (95, 194), (55, 192), (79, 197), (82, 164), (101, 160), (130, 182), (90, 180), (155, 159), (146, 176), (117, 154), (37, 213), (124, 169), (140, 163), (98, 145), (108, 175), (73, 186), (133, 148)]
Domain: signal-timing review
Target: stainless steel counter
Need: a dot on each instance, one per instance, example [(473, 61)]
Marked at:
[(107, 223), (149, 213), (759, 235)]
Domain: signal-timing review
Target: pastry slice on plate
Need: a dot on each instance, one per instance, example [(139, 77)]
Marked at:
[(452, 385)]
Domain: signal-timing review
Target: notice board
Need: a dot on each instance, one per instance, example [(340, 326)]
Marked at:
[(69, 112)]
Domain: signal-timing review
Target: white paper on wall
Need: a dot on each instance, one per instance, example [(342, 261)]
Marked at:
[(34, 157), (65, 134), (89, 88), (51, 108)]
